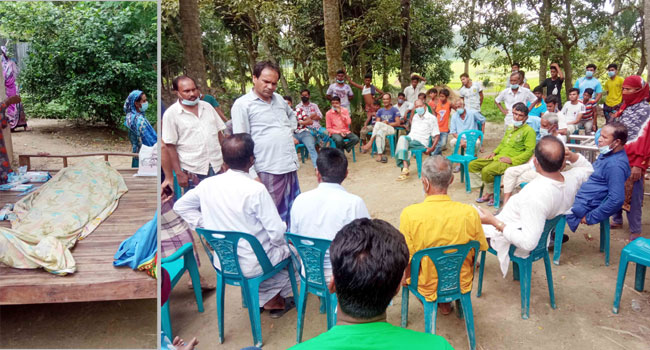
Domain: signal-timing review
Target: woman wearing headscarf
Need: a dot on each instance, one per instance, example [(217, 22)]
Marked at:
[(635, 115), (10, 72), (140, 131)]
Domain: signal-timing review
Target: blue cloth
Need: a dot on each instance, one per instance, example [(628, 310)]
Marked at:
[(140, 131), (584, 83), (307, 139), (388, 115), (537, 111), (535, 123), (604, 192), (458, 125), (139, 248)]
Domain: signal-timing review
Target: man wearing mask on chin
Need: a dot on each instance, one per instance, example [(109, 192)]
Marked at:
[(424, 134), (341, 89), (590, 81), (192, 134)]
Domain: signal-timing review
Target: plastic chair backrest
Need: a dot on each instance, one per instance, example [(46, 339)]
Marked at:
[(226, 244), (470, 136), (448, 261), (543, 240), (312, 254)]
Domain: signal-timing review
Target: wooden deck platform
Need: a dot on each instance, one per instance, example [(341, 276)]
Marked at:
[(96, 279)]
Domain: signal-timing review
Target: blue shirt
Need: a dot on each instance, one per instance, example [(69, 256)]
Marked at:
[(535, 123), (537, 111), (584, 84), (388, 115), (458, 125)]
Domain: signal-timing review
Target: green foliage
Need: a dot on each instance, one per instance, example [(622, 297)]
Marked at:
[(85, 57)]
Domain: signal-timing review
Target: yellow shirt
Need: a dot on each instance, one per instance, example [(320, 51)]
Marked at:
[(614, 88), (438, 221)]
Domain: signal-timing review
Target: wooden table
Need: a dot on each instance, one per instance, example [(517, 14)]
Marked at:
[(96, 278)]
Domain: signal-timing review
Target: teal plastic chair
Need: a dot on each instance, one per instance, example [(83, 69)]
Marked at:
[(225, 244), (176, 264), (604, 240), (300, 148), (448, 261), (637, 251), (522, 268), (418, 157), (497, 191), (312, 279), (469, 155), (354, 157), (178, 190)]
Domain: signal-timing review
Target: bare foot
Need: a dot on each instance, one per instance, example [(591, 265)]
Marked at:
[(181, 345), (277, 303)]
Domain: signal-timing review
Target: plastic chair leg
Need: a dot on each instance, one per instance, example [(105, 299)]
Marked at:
[(549, 279), (391, 140), (418, 160), (465, 171), (459, 309), (639, 277), (620, 279), (221, 289), (253, 301), (604, 239), (300, 308), (515, 271), (354, 156), (405, 306), (330, 314), (466, 301), (497, 191), (557, 243), (524, 285), (480, 275), (165, 320), (323, 305), (193, 270), (430, 313)]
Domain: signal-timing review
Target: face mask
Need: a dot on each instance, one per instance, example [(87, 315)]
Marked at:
[(419, 110), (144, 107), (604, 149), (190, 103), (611, 73), (340, 81), (514, 86), (589, 74), (400, 100), (304, 99), (460, 110), (544, 132), (518, 123)]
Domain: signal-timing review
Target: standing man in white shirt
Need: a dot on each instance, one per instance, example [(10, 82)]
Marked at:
[(323, 211), (522, 219), (192, 132), (511, 95), (270, 121), (573, 110), (233, 201), (471, 93), (412, 91)]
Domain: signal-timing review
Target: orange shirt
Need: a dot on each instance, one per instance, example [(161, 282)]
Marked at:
[(443, 113), (432, 105), (338, 122)]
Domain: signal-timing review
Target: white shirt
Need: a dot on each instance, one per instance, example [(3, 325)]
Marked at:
[(471, 95), (571, 111), (323, 211), (510, 98), (271, 126), (196, 138), (423, 127), (233, 201), (406, 106), (526, 212), (411, 93)]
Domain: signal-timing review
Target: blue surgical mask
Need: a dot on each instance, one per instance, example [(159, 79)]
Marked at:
[(419, 110), (589, 74), (514, 86), (144, 107), (340, 81), (543, 132), (611, 73), (190, 103), (460, 111), (604, 149), (518, 123), (400, 100)]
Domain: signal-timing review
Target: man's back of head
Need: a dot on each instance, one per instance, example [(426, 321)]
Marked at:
[(549, 153), (237, 151), (332, 165), (437, 172)]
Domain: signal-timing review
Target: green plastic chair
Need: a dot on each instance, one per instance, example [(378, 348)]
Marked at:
[(470, 154), (225, 244), (354, 157), (418, 157), (497, 191), (604, 240), (448, 261), (182, 260), (312, 279), (522, 268), (302, 150), (637, 251)]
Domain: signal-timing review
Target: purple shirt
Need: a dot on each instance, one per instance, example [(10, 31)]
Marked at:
[(343, 92)]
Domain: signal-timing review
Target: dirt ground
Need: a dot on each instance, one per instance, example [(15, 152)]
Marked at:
[(111, 324), (584, 287)]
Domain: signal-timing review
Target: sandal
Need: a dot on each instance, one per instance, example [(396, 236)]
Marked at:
[(384, 159), (289, 304), (483, 200), (614, 225), (402, 177)]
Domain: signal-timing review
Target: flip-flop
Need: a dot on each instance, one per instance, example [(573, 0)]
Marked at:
[(384, 159), (481, 200), (289, 304), (490, 202), (402, 177)]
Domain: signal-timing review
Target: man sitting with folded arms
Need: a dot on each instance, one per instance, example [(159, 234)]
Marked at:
[(517, 175), (424, 128), (550, 194), (455, 223), (462, 120), (323, 211), (337, 121), (387, 119), (604, 193), (516, 148), (233, 201), (368, 262)]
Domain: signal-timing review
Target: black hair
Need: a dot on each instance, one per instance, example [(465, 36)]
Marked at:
[(340, 71), (538, 89), (261, 66), (237, 150), (139, 97), (422, 94), (520, 107), (620, 131), (590, 91), (591, 65), (303, 90), (288, 98), (332, 165), (549, 153), (432, 90), (367, 76), (444, 92), (552, 99), (415, 78), (572, 90), (553, 68), (401, 94), (612, 65), (368, 261), (515, 64), (335, 98), (179, 78), (464, 75)]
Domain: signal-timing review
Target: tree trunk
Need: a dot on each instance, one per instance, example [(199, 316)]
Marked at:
[(333, 49), (566, 62), (266, 48), (646, 31), (192, 47), (384, 73), (466, 70), (545, 21), (405, 52)]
